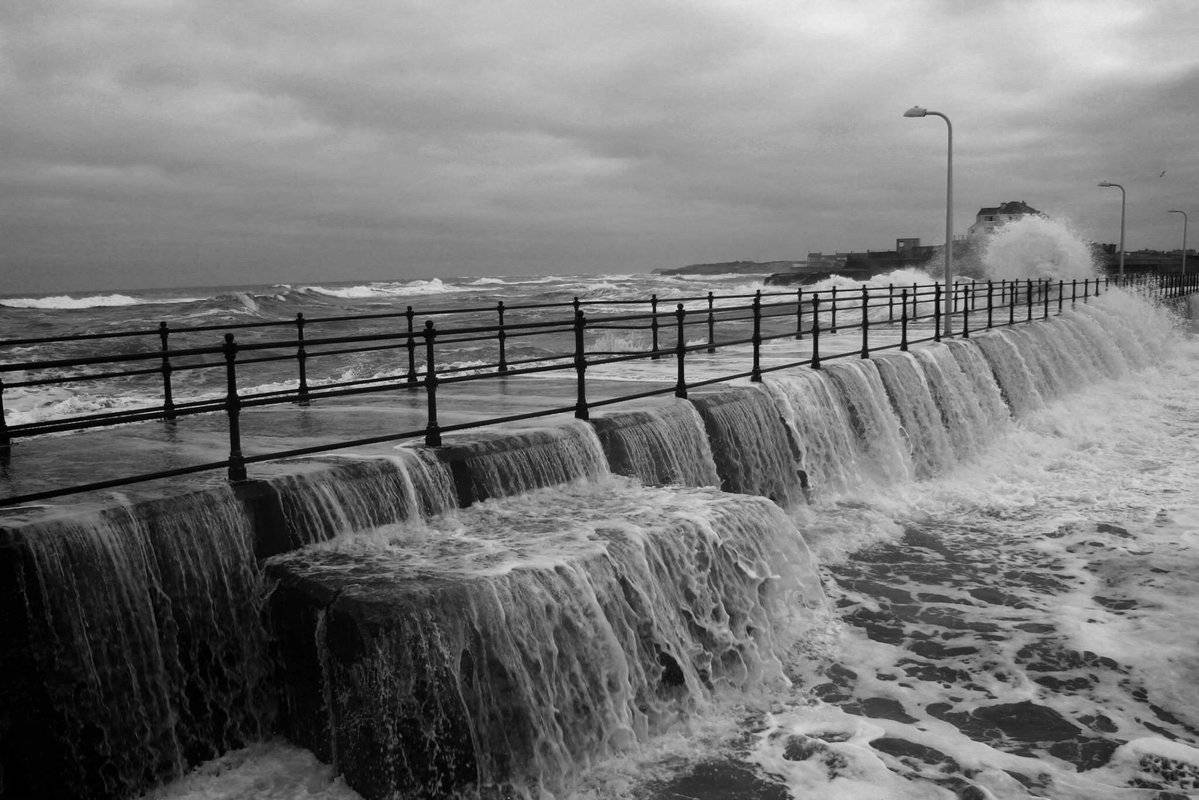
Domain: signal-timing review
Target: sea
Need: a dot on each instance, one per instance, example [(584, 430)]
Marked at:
[(1019, 622)]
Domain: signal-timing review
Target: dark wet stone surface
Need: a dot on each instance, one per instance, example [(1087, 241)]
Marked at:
[(879, 708), (902, 748), (955, 602), (716, 780)]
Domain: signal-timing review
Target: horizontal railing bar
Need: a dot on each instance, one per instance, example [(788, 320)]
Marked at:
[(111, 484), (78, 378)]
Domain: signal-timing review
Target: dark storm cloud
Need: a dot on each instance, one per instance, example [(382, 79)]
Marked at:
[(199, 142)]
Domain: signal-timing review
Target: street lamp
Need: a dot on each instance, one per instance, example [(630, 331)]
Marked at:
[(1185, 220), (1110, 185), (917, 111)]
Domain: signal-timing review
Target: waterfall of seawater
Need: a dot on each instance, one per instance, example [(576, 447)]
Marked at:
[(500, 465), (659, 446), (145, 630), (884, 454), (818, 423), (499, 651), (752, 447), (335, 496), (924, 431)]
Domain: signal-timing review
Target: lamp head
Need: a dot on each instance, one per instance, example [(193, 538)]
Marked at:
[(1106, 184), (916, 111), (1175, 211)]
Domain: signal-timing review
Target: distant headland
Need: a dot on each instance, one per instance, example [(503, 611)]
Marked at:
[(730, 268)]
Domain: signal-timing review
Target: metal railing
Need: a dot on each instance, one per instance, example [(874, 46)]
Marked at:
[(911, 314)]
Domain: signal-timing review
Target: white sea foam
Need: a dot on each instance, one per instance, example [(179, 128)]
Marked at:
[(66, 302), (385, 290), (267, 771)]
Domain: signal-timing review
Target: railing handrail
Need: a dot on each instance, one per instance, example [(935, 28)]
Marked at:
[(815, 310)]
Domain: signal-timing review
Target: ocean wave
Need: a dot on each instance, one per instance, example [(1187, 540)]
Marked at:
[(66, 301), (384, 290)]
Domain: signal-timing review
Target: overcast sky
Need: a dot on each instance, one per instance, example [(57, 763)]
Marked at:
[(194, 142)]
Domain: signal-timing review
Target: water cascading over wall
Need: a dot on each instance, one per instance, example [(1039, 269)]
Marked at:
[(751, 445), (499, 653), (134, 640), (325, 497), (489, 464), (659, 446)]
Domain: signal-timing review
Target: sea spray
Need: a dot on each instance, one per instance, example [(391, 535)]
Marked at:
[(1036, 247)]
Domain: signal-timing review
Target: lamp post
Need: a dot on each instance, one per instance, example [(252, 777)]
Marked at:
[(917, 111), (1185, 220), (1110, 185)]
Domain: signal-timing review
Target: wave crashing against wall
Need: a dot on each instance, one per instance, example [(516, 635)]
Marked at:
[(382, 670)]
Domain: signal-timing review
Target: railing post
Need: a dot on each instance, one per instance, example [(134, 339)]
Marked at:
[(1028, 293), (1086, 289), (237, 463), (1073, 292), (937, 312), (432, 429), (798, 314), (581, 410), (411, 347), (1011, 302), (755, 374), (890, 302), (680, 350), (1061, 295), (915, 301), (1045, 298), (990, 303), (967, 303), (711, 325), (865, 323), (5, 438), (502, 336), (832, 307), (973, 295), (816, 330), (903, 321), (301, 362), (653, 327), (168, 401)]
